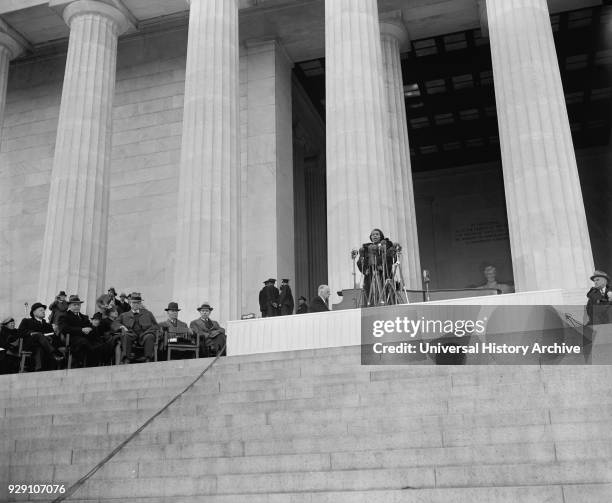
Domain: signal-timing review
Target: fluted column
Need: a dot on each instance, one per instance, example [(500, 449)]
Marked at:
[(548, 231), (394, 36), (208, 244), (9, 49), (75, 241), (359, 175)]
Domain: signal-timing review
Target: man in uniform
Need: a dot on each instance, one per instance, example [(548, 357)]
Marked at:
[(285, 298), (269, 299)]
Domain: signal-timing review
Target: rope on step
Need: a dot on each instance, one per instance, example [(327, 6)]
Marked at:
[(74, 487)]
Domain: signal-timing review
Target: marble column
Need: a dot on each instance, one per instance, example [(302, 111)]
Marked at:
[(9, 49), (267, 169), (394, 37), (75, 240), (360, 177), (549, 238), (208, 231)]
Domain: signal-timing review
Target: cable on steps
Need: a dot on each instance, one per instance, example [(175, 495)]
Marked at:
[(74, 487)]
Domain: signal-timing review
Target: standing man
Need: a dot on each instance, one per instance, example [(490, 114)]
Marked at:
[(320, 303), (58, 307), (285, 298), (269, 299), (212, 335), (79, 327), (139, 325)]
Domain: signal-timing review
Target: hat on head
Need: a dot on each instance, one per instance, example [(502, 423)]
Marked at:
[(97, 316), (112, 289), (61, 293), (6, 321), (74, 299), (285, 281), (269, 280), (35, 306), (135, 296), (600, 274), (172, 306), (205, 305)]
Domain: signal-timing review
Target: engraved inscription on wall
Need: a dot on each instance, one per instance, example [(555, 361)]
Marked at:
[(481, 232)]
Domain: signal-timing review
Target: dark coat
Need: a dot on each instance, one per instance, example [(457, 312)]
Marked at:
[(317, 305), (371, 255), (302, 309), (148, 323), (599, 308), (29, 325), (285, 300), (212, 336), (268, 298), (73, 324), (57, 308)]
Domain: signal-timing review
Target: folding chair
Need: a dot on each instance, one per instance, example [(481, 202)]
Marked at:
[(177, 340)]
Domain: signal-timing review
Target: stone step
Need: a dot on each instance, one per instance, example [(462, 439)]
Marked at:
[(596, 472), (529, 494), (308, 443), (343, 420), (249, 402)]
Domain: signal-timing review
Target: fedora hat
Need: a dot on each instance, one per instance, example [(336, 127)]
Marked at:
[(600, 274), (270, 280), (172, 306), (135, 296), (35, 306), (205, 305), (74, 299)]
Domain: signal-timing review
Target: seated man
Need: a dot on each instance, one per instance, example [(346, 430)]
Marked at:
[(320, 303), (79, 327), (139, 324), (212, 335), (38, 337), (9, 346), (101, 341), (302, 305), (175, 328)]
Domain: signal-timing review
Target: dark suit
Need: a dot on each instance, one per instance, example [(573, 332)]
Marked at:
[(598, 306), (141, 327), (35, 341), (212, 336), (73, 324), (317, 305), (285, 300)]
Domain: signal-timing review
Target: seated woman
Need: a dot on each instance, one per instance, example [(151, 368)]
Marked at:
[(376, 264)]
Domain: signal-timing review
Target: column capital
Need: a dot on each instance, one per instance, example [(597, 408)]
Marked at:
[(11, 44), (392, 25), (113, 10)]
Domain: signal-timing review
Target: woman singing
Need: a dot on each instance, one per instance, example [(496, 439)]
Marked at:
[(376, 264)]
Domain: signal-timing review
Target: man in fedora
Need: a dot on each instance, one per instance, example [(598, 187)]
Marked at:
[(212, 335), (139, 324), (285, 298), (269, 299), (599, 299), (79, 327), (173, 326), (58, 307), (38, 337)]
